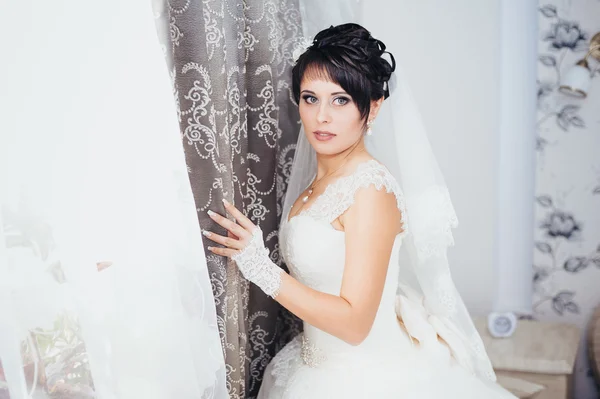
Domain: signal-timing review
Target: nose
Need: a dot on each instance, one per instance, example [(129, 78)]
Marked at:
[(323, 115)]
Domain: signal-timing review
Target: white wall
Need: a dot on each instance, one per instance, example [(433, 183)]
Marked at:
[(450, 52)]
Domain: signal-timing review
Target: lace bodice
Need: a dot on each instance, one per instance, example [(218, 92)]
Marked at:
[(339, 195)]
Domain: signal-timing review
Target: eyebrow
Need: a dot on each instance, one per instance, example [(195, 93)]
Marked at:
[(333, 94)]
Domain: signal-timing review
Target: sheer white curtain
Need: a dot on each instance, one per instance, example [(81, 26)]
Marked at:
[(104, 290)]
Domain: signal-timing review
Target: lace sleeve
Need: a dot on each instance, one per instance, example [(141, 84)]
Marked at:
[(340, 196), (256, 266)]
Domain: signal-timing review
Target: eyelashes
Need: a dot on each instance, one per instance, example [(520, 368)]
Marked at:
[(341, 100), (344, 100), (309, 99)]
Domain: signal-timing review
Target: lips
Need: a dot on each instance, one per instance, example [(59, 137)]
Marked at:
[(323, 135)]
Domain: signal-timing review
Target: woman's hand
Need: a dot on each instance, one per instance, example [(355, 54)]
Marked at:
[(239, 234), (244, 244)]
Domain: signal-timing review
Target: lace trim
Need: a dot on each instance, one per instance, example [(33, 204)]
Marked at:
[(256, 266), (340, 195), (481, 357), (446, 293), (433, 218)]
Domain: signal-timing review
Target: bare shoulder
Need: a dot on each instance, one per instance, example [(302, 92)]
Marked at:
[(374, 207), (376, 201)]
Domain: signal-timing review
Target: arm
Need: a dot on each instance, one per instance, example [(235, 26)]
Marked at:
[(370, 234)]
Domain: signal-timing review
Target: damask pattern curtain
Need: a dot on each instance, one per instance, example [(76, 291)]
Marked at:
[(230, 63)]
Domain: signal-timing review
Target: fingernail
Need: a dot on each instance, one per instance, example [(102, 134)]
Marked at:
[(206, 233), (210, 213), (209, 248), (225, 201)]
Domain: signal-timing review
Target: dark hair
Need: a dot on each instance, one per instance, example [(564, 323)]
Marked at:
[(349, 56)]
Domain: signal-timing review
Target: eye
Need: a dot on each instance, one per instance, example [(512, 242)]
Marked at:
[(309, 99), (341, 100)]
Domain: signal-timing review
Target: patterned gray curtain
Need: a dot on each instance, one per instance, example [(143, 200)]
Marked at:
[(230, 63)]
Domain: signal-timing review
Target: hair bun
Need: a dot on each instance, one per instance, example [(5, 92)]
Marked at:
[(360, 49)]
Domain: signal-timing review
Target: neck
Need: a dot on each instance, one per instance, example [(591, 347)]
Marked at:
[(327, 164)]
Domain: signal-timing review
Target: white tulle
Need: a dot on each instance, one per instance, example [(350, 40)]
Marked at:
[(97, 222)]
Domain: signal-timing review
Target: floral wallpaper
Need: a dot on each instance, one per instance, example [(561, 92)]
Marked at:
[(567, 230)]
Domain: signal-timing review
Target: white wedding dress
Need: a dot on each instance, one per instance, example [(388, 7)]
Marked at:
[(388, 363)]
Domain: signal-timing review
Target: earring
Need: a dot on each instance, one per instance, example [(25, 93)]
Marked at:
[(369, 130)]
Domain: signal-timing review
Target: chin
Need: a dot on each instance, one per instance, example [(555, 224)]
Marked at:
[(326, 151), (327, 148)]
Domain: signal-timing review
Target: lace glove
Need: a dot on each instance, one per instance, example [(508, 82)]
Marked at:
[(256, 266)]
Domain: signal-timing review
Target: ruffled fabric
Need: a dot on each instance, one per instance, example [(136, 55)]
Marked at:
[(416, 373)]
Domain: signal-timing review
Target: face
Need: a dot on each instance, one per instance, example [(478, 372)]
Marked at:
[(331, 119)]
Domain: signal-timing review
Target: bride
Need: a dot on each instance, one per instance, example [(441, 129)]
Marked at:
[(365, 242)]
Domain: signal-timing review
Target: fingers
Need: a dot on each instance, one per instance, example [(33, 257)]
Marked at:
[(229, 242), (237, 233), (239, 216), (231, 235), (223, 251), (230, 226)]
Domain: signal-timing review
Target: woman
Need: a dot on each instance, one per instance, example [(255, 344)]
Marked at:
[(341, 240)]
